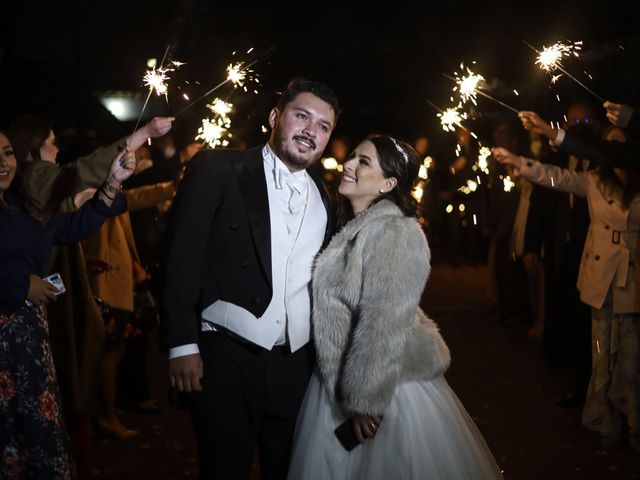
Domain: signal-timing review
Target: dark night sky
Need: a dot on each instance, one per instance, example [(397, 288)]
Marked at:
[(383, 63)]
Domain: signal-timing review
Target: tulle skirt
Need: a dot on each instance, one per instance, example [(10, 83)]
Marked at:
[(425, 434)]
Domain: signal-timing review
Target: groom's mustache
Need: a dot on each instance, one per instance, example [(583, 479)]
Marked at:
[(306, 139)]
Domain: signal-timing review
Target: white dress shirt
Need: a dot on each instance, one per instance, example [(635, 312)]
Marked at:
[(298, 221)]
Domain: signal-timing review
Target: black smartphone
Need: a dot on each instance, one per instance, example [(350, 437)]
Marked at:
[(346, 435)]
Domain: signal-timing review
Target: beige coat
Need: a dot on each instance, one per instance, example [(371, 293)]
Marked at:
[(114, 245), (606, 262)]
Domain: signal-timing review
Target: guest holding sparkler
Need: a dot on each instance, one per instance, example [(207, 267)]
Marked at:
[(77, 329), (612, 153), (33, 437), (608, 281), (558, 227)]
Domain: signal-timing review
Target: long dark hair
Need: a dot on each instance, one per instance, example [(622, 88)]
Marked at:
[(397, 159), (15, 196), (28, 134), (611, 184)]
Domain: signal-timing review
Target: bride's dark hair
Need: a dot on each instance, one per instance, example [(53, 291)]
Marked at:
[(399, 160)]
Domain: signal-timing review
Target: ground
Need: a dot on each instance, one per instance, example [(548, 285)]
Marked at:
[(501, 376)]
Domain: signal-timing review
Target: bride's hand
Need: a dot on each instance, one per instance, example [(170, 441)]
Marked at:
[(365, 426)]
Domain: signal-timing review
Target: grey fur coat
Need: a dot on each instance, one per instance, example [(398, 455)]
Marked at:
[(369, 331)]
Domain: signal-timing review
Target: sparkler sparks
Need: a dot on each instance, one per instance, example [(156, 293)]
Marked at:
[(550, 57), (151, 63), (470, 86), (471, 186), (212, 133), (451, 118), (157, 80), (508, 184), (237, 73), (467, 86), (221, 109), (215, 131), (482, 163)]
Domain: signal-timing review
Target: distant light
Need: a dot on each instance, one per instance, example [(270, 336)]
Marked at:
[(116, 107), (461, 207), (124, 108), (449, 208), (329, 163), (417, 193), (152, 62)]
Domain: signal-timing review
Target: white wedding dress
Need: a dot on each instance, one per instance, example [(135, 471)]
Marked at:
[(425, 434)]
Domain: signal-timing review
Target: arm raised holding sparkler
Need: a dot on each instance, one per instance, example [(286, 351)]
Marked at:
[(43, 176), (623, 116), (156, 127), (610, 153), (544, 174), (92, 168)]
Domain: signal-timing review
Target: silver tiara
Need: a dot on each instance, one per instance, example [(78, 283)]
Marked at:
[(400, 149)]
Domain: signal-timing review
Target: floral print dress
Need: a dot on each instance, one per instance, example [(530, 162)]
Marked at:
[(33, 437)]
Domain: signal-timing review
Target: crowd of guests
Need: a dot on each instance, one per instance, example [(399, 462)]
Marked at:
[(72, 360), (561, 243)]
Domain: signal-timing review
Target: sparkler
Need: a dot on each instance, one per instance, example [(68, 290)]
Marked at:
[(157, 79), (469, 87), (213, 130), (507, 184), (144, 106), (449, 118), (482, 163), (236, 74), (471, 186), (550, 57)]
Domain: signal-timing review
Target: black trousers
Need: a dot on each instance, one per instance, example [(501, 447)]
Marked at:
[(250, 397)]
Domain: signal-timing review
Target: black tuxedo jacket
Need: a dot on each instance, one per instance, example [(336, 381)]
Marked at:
[(218, 243)]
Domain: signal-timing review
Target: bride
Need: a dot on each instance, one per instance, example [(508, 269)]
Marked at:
[(380, 358)]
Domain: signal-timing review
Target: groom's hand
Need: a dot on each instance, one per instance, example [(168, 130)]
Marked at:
[(185, 373)]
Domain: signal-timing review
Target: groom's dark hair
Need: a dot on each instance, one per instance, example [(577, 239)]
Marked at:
[(299, 85)]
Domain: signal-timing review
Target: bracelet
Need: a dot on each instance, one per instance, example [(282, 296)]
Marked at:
[(107, 187), (102, 190)]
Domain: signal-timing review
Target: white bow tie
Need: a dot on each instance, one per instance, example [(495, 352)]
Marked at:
[(297, 183)]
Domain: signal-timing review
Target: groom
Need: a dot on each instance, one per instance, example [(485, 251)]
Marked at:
[(244, 230)]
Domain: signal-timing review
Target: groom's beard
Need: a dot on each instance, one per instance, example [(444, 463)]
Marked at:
[(291, 158)]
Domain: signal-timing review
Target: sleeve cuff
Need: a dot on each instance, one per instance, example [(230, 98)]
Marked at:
[(183, 350), (559, 138)]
